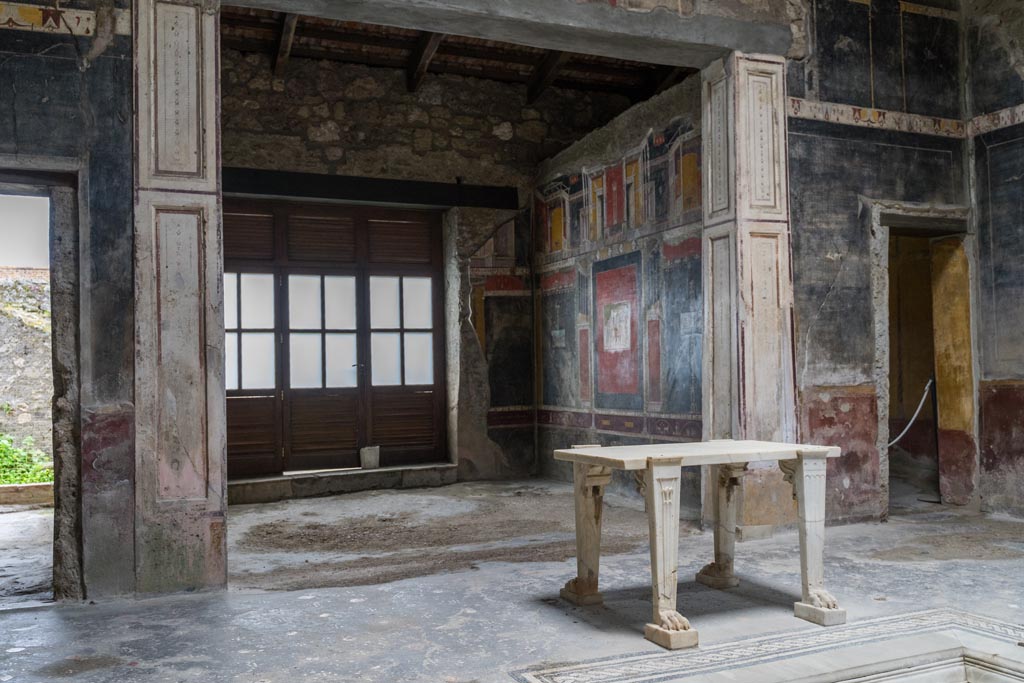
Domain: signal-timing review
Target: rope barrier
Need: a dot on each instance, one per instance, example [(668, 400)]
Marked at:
[(917, 412)]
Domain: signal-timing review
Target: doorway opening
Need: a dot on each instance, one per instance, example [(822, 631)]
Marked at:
[(929, 415), (26, 395)]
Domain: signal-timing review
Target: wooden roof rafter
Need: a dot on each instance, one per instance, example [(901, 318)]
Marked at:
[(418, 53)]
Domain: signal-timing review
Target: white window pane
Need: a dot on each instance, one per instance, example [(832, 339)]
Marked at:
[(231, 361), (304, 302), (305, 361), (230, 301), (386, 358), (341, 360), (340, 303), (384, 303), (419, 358), (257, 301), (418, 303), (258, 360)]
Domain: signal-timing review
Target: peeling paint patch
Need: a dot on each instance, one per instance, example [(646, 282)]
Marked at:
[(846, 417)]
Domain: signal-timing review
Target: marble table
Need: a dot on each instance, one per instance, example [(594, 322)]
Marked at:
[(657, 469)]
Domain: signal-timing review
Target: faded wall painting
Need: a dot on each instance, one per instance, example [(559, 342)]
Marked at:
[(618, 280)]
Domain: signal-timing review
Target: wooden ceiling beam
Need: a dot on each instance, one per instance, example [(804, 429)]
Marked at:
[(284, 45), (419, 60), (667, 77), (545, 73)]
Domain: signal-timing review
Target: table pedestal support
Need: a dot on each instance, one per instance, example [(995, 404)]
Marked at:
[(807, 474), (588, 485), (720, 573), (669, 628)]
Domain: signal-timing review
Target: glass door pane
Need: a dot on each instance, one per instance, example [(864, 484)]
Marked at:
[(304, 302), (304, 360), (342, 369), (386, 358), (417, 303), (340, 303), (419, 358), (385, 304), (258, 360)]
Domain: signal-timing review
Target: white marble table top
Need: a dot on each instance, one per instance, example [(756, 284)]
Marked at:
[(717, 452)]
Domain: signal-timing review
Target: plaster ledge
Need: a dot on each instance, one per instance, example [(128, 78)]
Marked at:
[(26, 494), (331, 482)]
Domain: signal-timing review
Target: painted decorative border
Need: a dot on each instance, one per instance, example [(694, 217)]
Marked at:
[(928, 11), (884, 119), (866, 117), (1003, 118), (726, 656), (37, 18)]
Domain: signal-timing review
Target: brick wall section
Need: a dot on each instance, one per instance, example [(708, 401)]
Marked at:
[(26, 379)]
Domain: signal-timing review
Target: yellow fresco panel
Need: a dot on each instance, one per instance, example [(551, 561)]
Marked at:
[(557, 227)]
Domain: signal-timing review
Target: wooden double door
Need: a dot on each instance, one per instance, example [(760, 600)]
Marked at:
[(334, 329)]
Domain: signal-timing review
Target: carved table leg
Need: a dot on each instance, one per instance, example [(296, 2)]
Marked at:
[(720, 574), (808, 478), (669, 628), (588, 485)]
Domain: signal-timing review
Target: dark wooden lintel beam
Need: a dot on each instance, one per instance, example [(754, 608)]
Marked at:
[(419, 60), (284, 46), (546, 73), (254, 182)]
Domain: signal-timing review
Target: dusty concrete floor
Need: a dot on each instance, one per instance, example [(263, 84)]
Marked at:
[(26, 555), (377, 537), (471, 604)]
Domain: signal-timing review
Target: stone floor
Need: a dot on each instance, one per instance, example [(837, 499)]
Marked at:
[(472, 574), (26, 555)]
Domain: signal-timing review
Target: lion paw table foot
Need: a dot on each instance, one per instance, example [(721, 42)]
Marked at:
[(570, 593), (713, 576), (822, 616), (670, 640)]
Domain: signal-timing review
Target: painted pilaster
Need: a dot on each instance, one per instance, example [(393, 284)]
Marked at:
[(179, 377), (748, 285)]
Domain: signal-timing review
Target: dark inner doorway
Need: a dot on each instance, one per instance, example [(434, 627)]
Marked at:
[(913, 460)]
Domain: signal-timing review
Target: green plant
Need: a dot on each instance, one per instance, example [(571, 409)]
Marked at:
[(6, 408), (23, 464)]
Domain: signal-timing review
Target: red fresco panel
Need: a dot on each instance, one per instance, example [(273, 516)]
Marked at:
[(614, 195), (618, 354), (688, 248), (562, 279)]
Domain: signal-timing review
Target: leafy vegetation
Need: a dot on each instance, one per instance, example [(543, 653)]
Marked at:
[(23, 464)]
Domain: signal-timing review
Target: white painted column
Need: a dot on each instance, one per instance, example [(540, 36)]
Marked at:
[(748, 387), (179, 376)]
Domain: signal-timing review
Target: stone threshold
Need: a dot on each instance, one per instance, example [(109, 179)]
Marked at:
[(26, 494), (329, 482)]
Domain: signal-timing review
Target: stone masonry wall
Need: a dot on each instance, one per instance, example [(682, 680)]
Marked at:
[(26, 377), (328, 117)]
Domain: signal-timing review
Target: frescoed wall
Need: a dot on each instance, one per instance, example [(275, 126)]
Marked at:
[(503, 318), (874, 114), (617, 220)]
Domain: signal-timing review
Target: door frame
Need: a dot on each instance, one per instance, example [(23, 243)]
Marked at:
[(362, 269), (880, 219)]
